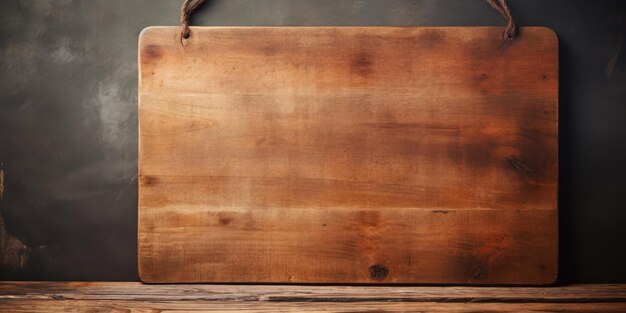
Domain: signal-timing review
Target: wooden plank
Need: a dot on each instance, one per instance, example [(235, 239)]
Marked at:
[(348, 155), (273, 307), (137, 297), (285, 293)]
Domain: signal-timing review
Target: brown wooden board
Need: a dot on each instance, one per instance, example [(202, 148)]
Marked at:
[(348, 155)]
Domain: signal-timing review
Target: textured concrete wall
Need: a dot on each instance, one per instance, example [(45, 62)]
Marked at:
[(68, 121)]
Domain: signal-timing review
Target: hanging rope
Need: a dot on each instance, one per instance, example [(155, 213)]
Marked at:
[(189, 6), (511, 28)]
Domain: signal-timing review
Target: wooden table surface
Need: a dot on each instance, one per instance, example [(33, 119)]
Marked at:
[(138, 297)]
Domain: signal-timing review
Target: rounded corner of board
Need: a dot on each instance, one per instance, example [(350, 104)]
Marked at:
[(549, 34), (146, 31), (144, 276)]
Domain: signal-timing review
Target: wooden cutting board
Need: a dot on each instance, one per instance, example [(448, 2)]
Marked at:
[(348, 155)]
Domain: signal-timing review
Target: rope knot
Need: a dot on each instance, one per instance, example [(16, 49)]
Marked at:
[(510, 30), (189, 6)]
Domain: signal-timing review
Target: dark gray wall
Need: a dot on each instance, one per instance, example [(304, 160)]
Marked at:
[(68, 121)]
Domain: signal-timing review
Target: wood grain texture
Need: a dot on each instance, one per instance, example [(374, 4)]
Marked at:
[(348, 155), (582, 293), (136, 297), (109, 306)]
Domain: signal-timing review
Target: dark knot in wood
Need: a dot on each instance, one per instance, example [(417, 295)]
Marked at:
[(378, 272)]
